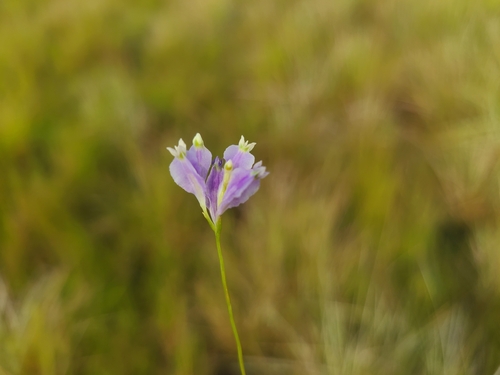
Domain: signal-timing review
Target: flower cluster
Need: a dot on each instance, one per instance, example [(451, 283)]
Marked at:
[(219, 184)]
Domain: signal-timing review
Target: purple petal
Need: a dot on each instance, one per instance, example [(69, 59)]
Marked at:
[(200, 157), (240, 158), (212, 188), (185, 175), (259, 170), (250, 190), (236, 193)]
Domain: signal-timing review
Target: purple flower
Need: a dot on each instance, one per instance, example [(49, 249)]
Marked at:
[(221, 184)]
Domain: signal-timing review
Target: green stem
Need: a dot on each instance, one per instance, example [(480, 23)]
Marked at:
[(228, 300), (207, 216)]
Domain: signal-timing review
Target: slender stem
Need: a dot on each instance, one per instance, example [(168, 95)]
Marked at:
[(228, 300)]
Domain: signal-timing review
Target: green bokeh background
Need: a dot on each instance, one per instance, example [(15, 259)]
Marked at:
[(371, 248)]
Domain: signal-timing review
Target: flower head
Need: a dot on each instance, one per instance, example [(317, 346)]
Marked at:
[(219, 184)]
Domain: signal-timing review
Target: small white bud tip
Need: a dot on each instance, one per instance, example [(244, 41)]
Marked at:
[(197, 140), (178, 151), (242, 141), (245, 146)]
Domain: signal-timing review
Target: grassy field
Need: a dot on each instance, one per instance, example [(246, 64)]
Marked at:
[(371, 248)]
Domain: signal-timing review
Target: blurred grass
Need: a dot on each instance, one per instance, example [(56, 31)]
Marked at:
[(372, 248)]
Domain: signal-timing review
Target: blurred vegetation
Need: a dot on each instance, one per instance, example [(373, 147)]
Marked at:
[(372, 248)]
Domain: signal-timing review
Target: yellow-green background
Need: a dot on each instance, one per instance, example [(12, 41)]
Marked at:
[(373, 247)]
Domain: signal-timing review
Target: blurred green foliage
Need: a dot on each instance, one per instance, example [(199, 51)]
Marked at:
[(372, 248)]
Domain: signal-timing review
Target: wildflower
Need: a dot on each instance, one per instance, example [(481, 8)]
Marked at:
[(218, 186), (221, 184)]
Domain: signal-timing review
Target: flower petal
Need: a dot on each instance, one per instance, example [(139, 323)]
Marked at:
[(185, 175), (236, 192), (239, 157), (259, 170), (212, 187), (199, 156), (250, 190)]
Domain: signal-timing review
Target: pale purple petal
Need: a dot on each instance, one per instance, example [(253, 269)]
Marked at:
[(186, 177), (246, 193), (240, 181), (201, 158), (240, 158), (259, 170), (212, 187)]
